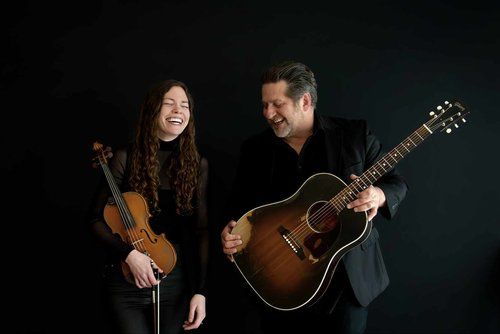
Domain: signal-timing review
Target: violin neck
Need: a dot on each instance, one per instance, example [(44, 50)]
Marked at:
[(125, 214)]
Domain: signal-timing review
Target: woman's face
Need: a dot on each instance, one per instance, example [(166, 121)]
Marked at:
[(174, 114)]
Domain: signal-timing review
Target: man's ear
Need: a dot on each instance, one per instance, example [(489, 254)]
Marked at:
[(306, 102)]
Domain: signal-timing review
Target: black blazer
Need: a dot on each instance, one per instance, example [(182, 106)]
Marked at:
[(351, 149)]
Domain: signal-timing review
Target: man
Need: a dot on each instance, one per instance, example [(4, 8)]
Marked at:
[(275, 163)]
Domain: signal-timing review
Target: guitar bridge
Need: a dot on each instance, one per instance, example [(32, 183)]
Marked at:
[(289, 239)]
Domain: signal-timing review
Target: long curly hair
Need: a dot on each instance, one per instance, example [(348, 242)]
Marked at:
[(184, 161)]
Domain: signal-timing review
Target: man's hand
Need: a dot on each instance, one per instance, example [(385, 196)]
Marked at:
[(368, 200), (230, 241)]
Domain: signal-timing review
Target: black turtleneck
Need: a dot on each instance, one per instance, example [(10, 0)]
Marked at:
[(167, 220), (169, 145)]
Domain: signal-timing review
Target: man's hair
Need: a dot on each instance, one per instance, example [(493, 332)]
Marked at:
[(299, 77)]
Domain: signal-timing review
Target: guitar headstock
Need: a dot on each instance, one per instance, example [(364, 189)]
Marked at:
[(102, 154), (447, 117)]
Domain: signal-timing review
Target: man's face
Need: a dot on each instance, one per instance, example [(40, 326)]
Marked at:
[(281, 112)]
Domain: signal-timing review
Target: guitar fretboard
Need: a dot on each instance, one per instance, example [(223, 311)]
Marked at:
[(381, 167)]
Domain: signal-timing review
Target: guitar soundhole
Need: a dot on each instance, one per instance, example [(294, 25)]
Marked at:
[(321, 217), (324, 222)]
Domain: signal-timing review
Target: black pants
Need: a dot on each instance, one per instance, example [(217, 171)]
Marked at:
[(132, 308), (337, 312), (348, 317)]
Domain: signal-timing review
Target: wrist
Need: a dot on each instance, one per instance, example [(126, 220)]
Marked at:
[(381, 198), (130, 255)]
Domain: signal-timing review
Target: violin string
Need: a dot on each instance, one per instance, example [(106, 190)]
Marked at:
[(124, 212), (129, 225)]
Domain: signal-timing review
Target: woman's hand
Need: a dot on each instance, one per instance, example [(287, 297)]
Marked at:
[(196, 312), (141, 267)]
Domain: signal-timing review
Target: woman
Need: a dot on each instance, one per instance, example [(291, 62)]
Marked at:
[(164, 166)]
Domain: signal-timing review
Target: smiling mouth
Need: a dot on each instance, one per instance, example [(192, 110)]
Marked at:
[(276, 122), (175, 120)]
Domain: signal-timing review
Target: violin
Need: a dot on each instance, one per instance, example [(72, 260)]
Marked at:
[(129, 217)]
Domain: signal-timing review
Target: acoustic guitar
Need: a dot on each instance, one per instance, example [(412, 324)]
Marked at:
[(290, 249)]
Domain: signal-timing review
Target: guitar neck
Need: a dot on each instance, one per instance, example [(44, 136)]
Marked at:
[(118, 197), (381, 167)]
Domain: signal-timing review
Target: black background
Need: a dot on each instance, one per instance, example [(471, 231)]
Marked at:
[(76, 72)]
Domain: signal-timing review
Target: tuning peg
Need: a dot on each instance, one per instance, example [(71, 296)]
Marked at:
[(432, 113), (439, 108), (456, 126), (446, 102), (463, 120), (448, 130)]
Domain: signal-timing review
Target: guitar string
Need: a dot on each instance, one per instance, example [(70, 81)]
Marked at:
[(274, 268), (338, 202), (338, 199), (432, 124), (297, 236), (377, 165)]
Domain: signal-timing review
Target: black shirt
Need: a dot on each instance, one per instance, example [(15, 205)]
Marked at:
[(290, 170)]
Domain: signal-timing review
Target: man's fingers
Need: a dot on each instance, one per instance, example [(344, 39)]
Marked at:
[(356, 203), (370, 192), (230, 241), (232, 244), (365, 207), (230, 226), (231, 237), (367, 201), (362, 205)]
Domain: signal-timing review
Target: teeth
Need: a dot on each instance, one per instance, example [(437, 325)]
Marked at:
[(276, 121), (175, 120)]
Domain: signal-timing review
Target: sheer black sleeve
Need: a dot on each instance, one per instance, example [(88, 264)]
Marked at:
[(112, 243), (202, 227)]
